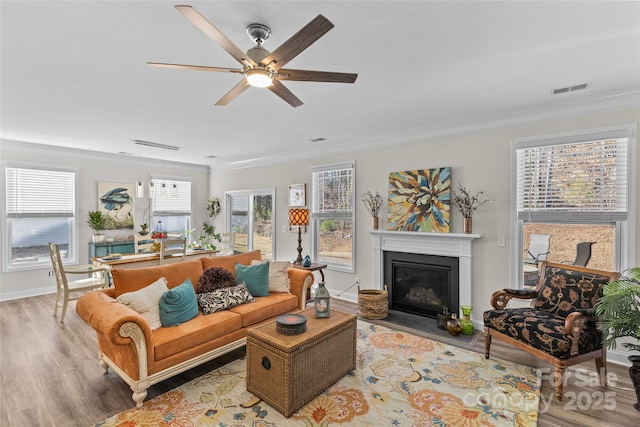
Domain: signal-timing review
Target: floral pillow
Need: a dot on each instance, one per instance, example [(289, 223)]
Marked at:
[(221, 299)]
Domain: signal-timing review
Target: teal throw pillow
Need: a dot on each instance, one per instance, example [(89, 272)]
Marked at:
[(178, 305), (256, 277)]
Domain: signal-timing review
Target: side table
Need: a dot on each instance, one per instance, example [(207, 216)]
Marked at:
[(313, 267)]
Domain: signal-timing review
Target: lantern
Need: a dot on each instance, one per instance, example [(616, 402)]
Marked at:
[(321, 302)]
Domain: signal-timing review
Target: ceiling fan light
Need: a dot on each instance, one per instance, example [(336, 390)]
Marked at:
[(259, 78)]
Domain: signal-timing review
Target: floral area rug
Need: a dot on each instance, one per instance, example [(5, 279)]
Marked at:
[(400, 380)]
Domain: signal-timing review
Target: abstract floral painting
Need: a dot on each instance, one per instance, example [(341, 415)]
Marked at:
[(116, 202), (420, 200)]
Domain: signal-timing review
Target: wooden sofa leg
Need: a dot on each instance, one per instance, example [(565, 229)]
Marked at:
[(487, 344), (558, 378), (139, 396), (601, 367), (103, 365)]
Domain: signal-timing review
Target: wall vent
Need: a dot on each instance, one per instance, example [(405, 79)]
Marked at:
[(568, 89)]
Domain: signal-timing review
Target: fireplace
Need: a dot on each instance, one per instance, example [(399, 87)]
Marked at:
[(444, 245), (421, 284)]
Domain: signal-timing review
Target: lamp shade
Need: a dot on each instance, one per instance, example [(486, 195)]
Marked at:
[(299, 217)]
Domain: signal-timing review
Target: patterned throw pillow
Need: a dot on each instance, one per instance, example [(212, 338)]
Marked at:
[(224, 298), (146, 301), (215, 278)]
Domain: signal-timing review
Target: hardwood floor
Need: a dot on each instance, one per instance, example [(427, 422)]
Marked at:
[(50, 376)]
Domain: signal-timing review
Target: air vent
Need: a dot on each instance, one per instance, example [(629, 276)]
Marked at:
[(568, 89)]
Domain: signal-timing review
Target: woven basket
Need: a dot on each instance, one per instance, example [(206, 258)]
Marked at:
[(373, 303)]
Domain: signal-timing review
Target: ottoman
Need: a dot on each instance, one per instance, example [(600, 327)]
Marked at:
[(288, 371)]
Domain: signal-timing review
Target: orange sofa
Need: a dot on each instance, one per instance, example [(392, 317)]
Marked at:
[(142, 357)]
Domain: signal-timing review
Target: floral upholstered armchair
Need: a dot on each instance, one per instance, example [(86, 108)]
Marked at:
[(559, 326)]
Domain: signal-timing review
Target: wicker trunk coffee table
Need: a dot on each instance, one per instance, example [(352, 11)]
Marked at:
[(287, 371)]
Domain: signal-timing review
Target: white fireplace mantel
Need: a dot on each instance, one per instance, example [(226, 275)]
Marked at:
[(444, 244)]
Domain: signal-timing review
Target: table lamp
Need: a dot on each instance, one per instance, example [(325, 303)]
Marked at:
[(299, 218)]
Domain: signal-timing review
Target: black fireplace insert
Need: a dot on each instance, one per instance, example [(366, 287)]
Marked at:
[(422, 284)]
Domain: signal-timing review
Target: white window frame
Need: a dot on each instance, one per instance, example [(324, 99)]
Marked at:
[(251, 193), (72, 254), (625, 241), (316, 216), (157, 197)]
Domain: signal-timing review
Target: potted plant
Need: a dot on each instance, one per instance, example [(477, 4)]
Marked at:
[(467, 204), (144, 227), (373, 203), (97, 221), (619, 310)]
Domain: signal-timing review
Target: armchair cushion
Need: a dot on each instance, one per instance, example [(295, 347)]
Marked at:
[(565, 290), (543, 330)]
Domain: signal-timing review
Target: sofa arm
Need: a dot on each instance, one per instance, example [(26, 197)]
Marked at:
[(573, 326), (107, 317), (300, 280)]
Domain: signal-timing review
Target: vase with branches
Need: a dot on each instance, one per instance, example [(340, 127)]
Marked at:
[(373, 203), (468, 204)]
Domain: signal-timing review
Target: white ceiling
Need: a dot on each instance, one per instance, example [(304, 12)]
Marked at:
[(74, 73)]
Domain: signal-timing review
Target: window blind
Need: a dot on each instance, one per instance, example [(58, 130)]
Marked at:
[(39, 192), (166, 201), (333, 191), (581, 180)]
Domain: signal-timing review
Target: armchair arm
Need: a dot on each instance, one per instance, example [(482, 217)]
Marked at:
[(499, 299), (300, 280), (573, 326), (107, 317)]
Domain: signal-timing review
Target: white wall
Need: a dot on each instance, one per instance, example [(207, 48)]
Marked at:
[(93, 167), (479, 160)]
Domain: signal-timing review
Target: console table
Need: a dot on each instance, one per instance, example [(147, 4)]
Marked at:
[(97, 250)]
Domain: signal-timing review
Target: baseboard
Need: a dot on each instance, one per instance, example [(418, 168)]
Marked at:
[(8, 296)]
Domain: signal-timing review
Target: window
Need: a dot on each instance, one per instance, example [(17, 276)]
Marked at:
[(39, 208), (332, 215), (171, 206), (250, 216), (575, 188)]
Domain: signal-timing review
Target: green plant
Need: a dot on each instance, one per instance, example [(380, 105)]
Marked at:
[(619, 309), (97, 221)]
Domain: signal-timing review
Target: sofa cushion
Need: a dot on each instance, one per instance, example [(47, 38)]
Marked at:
[(215, 278), (278, 275), (224, 298), (168, 342), (178, 305), (264, 308), (229, 261), (146, 301), (256, 277), (132, 279)]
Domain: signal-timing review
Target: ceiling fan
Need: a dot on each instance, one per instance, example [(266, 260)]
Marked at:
[(260, 67)]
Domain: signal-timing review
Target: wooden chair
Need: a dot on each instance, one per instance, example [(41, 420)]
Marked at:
[(142, 244), (227, 244), (560, 326), (173, 249), (99, 279), (538, 249)]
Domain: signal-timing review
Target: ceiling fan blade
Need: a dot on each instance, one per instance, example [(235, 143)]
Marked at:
[(316, 76), (233, 93), (195, 67), (298, 42), (284, 93), (210, 30)]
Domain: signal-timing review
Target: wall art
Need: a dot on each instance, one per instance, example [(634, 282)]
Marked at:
[(115, 201), (420, 200)]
